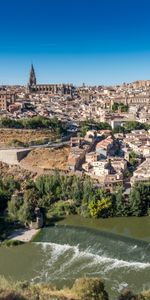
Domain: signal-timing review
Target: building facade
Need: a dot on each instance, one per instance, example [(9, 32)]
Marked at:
[(6, 99)]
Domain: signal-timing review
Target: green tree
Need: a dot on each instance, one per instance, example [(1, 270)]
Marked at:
[(76, 191), (26, 213), (4, 197), (31, 197), (115, 106), (133, 125), (7, 187), (133, 158), (13, 208), (87, 190), (130, 126), (91, 124), (100, 208), (120, 207), (139, 199)]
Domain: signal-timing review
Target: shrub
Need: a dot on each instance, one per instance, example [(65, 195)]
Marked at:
[(4, 295), (17, 143), (62, 208), (90, 289), (144, 295), (127, 295)]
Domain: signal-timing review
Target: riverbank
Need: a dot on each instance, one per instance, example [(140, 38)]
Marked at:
[(24, 235)]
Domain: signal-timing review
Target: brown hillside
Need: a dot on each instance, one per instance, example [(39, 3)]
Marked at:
[(45, 158)]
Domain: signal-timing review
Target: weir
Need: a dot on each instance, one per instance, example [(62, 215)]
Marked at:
[(60, 254)]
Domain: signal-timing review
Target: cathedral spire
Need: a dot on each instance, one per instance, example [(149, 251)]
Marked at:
[(32, 79)]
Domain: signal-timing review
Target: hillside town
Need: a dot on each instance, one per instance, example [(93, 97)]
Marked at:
[(71, 103), (75, 150), (105, 155)]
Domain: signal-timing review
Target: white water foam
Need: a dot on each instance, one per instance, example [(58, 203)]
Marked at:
[(122, 285), (107, 263)]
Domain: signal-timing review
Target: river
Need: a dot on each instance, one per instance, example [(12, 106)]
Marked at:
[(117, 250)]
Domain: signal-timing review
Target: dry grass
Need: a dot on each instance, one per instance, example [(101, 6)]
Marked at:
[(19, 291), (83, 289), (45, 158), (25, 136)]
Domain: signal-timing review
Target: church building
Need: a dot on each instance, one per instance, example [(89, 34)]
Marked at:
[(61, 89)]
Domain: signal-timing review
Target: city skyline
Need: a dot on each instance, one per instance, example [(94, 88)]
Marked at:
[(96, 42)]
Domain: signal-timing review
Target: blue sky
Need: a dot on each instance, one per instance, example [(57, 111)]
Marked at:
[(91, 41)]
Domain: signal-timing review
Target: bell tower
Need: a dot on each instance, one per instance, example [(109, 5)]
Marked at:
[(32, 79)]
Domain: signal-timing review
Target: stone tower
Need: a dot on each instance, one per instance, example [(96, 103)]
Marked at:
[(32, 79)]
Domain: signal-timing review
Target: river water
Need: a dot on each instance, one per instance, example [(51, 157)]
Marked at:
[(117, 250)]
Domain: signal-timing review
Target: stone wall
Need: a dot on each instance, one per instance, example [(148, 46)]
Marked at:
[(13, 156)]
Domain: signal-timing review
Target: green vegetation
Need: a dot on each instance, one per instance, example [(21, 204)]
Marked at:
[(129, 126), (58, 196), (139, 200), (62, 208), (133, 158), (90, 288), (6, 227), (120, 106), (17, 143), (83, 289), (101, 204), (126, 128), (7, 188), (34, 123), (90, 124), (11, 243), (61, 195)]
